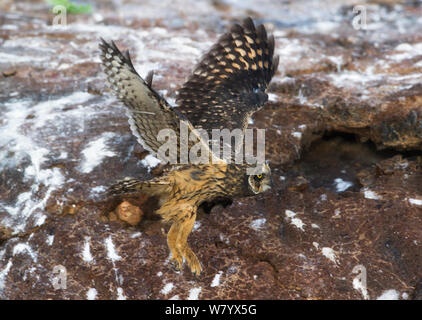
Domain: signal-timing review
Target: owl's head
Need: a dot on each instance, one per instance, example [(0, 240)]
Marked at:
[(261, 181)]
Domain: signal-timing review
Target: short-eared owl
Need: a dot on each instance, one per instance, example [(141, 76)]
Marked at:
[(225, 89)]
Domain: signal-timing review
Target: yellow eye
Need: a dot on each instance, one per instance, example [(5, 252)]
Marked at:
[(259, 176)]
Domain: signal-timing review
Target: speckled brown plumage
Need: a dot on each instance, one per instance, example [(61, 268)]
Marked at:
[(226, 87), (229, 83), (147, 111)]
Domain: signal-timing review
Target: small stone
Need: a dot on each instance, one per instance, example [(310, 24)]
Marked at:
[(69, 209), (299, 184), (129, 213), (5, 233), (9, 73), (366, 177)]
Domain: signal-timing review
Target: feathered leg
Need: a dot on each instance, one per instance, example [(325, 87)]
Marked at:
[(182, 242), (183, 216), (176, 256)]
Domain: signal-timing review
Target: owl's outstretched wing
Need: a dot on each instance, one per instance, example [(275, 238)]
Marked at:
[(148, 112), (229, 83)]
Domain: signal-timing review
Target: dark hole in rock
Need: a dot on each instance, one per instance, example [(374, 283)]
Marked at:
[(208, 206), (333, 161)]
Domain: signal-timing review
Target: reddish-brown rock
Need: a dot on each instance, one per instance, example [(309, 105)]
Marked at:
[(129, 213), (343, 138)]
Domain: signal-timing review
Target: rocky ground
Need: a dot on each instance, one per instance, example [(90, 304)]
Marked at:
[(343, 137)]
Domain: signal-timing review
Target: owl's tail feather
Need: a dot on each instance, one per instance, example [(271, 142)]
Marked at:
[(131, 185)]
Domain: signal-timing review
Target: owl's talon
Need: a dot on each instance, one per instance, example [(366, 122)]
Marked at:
[(196, 270), (193, 262), (176, 264)]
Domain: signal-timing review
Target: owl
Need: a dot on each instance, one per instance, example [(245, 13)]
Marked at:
[(226, 87)]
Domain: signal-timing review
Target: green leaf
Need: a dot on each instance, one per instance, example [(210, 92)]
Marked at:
[(70, 6)]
